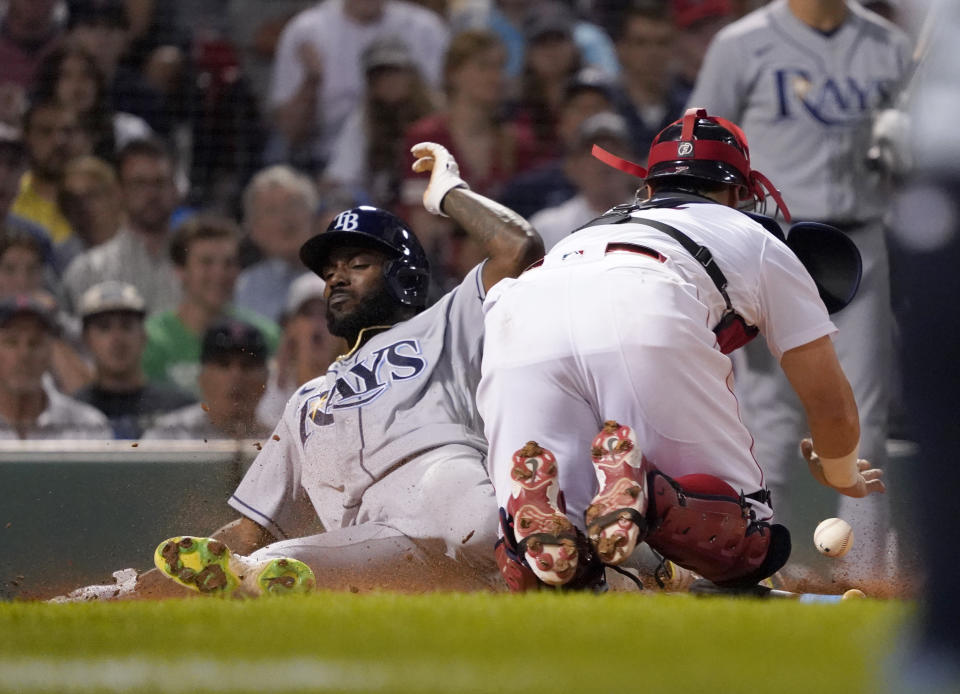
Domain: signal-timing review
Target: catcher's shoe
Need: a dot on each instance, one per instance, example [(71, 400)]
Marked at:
[(209, 567), (615, 518), (545, 537)]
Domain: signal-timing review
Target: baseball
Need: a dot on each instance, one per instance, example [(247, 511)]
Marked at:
[(833, 537)]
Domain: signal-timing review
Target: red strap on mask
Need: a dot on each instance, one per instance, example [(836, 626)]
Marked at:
[(618, 162), (688, 147)]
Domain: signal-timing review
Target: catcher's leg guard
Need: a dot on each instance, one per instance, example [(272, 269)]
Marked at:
[(545, 537), (615, 518), (702, 524)]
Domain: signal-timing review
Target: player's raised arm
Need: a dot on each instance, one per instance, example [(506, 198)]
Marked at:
[(509, 241)]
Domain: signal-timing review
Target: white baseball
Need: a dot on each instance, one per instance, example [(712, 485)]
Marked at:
[(833, 537)]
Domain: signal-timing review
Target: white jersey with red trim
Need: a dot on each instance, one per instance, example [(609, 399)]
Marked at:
[(768, 286), (596, 334)]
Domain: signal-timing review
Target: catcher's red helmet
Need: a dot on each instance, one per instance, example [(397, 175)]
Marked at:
[(703, 147)]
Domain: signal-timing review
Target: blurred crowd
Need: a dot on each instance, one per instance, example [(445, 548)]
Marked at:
[(162, 162)]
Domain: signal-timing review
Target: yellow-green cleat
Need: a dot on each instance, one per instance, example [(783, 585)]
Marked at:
[(209, 567)]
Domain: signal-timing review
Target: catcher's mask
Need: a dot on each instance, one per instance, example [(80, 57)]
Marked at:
[(407, 272), (703, 147)]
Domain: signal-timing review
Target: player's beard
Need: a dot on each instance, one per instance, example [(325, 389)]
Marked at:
[(380, 308)]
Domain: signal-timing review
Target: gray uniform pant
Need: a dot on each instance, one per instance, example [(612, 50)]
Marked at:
[(429, 524)]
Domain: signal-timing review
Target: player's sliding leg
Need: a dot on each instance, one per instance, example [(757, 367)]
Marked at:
[(545, 536), (209, 567), (615, 518)]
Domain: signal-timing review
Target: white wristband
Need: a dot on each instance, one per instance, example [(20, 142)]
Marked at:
[(842, 472), (444, 174)]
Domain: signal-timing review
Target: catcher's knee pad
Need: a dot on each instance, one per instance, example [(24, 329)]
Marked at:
[(520, 578), (702, 524)]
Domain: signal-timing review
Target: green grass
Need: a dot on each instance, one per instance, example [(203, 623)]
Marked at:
[(449, 643)]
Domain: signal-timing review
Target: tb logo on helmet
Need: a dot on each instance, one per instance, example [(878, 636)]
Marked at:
[(347, 221)]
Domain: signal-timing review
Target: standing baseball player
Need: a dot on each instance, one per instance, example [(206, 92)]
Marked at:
[(386, 449), (624, 328), (802, 78)]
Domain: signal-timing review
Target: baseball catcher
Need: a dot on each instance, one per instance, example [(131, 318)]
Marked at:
[(624, 329)]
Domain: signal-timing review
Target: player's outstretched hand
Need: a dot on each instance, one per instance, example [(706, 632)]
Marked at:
[(444, 173), (869, 480)]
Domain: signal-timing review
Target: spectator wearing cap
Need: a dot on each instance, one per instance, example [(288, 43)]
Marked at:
[(508, 20), (30, 407), (232, 379), (365, 155), (547, 185), (113, 314), (599, 187), (102, 28), (306, 349), (279, 209), (139, 253), (697, 22), (652, 95), (205, 252), (317, 79)]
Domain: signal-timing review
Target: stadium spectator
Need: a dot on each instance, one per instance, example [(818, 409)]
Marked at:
[(255, 28), (507, 19), (822, 68), (547, 185), (232, 379), (697, 22), (138, 253), (550, 61), (102, 28), (652, 95), (306, 349), (489, 151), (365, 156), (317, 80), (13, 164), (22, 270), (21, 263), (112, 314), (31, 408), (52, 137), (205, 253), (90, 199), (599, 186), (158, 42), (279, 207), (71, 76), (28, 31)]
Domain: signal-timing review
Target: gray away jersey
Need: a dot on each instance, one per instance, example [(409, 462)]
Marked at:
[(804, 100), (407, 390)]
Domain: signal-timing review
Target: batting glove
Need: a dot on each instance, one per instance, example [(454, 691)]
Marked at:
[(444, 174)]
